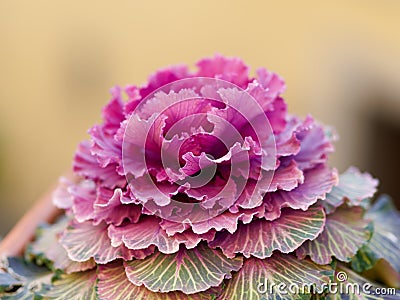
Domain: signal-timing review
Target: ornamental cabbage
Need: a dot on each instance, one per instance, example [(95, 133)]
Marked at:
[(201, 185)]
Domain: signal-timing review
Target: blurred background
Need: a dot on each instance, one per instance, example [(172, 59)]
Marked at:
[(58, 59)]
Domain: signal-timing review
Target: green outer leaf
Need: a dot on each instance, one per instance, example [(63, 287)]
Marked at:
[(23, 293), (385, 241), (250, 282), (76, 286), (47, 248), (27, 271), (190, 271), (113, 284), (353, 186), (6, 280), (365, 259), (345, 232), (261, 237), (30, 276)]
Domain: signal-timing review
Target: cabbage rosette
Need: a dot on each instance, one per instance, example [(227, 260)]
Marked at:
[(201, 185)]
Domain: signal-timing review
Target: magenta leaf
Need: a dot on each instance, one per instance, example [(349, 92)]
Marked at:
[(148, 232), (201, 185), (317, 183)]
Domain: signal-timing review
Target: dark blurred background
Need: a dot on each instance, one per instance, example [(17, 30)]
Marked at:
[(58, 59)]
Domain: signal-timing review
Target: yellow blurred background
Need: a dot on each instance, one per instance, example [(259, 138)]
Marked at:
[(58, 59)]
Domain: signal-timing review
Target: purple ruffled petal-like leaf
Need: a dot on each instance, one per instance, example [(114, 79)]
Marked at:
[(109, 208), (173, 227), (148, 232), (86, 165), (287, 143), (315, 145), (226, 221), (104, 147), (84, 196), (272, 82), (277, 116), (229, 69), (113, 113), (286, 177), (317, 183), (61, 197), (163, 77)]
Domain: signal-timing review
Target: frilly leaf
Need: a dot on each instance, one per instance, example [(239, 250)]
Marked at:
[(76, 286), (317, 183), (113, 284), (261, 237), (353, 186), (84, 241), (190, 271), (345, 232), (315, 144), (46, 248), (147, 232)]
